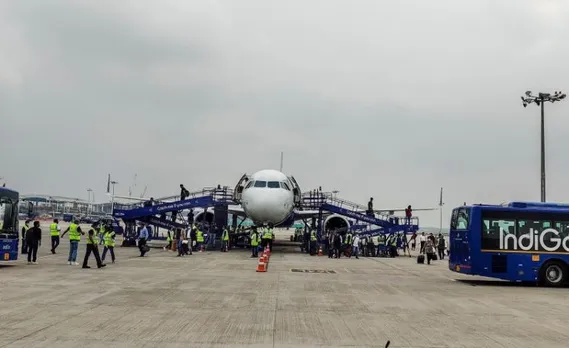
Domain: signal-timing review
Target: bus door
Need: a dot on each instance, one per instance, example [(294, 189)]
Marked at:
[(459, 241)]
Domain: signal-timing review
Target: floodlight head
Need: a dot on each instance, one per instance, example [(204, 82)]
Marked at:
[(528, 93), (538, 102), (544, 95), (562, 96), (525, 105)]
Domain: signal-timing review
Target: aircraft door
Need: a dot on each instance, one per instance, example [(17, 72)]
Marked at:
[(296, 191), (239, 188)]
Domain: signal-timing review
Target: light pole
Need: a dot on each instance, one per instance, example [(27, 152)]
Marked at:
[(113, 196), (88, 199), (335, 193), (441, 211), (540, 100)]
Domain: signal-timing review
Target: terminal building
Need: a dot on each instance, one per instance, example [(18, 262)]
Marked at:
[(50, 206)]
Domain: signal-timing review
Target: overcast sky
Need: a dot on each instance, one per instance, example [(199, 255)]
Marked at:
[(372, 98)]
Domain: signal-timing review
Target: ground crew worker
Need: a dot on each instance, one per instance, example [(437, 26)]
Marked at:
[(391, 245), (54, 230), (74, 238), (266, 236), (254, 243), (109, 239), (168, 240), (225, 239), (92, 248), (199, 238), (25, 229), (101, 234), (313, 241)]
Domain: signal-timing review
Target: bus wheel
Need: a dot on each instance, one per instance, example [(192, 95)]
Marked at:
[(554, 274)]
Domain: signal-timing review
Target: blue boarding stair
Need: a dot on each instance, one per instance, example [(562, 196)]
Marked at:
[(386, 224), (155, 215)]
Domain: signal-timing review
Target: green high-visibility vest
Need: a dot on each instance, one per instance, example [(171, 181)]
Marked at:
[(199, 236), (255, 239), (109, 238), (225, 235), (53, 230), (74, 235), (91, 237)]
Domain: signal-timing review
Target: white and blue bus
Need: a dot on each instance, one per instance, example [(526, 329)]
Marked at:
[(9, 238), (517, 241)]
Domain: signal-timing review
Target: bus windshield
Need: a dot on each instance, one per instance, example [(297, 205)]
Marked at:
[(8, 215)]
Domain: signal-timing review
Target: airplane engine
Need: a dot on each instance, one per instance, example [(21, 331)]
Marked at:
[(336, 222), (204, 217)]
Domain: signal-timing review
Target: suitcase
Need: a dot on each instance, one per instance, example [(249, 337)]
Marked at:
[(435, 257), (421, 258)]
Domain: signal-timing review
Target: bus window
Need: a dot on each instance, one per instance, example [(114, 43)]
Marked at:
[(460, 217), (260, 184), (492, 228), (562, 227), (274, 184), (453, 219)]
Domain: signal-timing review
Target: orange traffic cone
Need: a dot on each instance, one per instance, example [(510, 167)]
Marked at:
[(320, 251), (268, 251), (201, 248), (265, 257), (261, 266)]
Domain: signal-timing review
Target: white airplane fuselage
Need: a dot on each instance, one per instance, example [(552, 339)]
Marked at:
[(268, 197)]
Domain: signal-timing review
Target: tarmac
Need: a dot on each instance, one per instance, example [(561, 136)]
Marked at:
[(215, 299)]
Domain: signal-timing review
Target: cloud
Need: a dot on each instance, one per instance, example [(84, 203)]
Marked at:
[(391, 100)]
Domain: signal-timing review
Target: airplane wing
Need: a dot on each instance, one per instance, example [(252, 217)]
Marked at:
[(305, 214), (403, 209), (236, 210)]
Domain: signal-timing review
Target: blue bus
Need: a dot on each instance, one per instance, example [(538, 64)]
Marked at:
[(517, 241), (9, 238)]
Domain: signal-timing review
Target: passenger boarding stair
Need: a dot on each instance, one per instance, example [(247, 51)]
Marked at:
[(389, 224), (209, 197)]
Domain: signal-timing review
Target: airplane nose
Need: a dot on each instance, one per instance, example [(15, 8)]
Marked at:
[(266, 210)]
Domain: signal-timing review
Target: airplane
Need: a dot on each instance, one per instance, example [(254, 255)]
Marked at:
[(270, 197)]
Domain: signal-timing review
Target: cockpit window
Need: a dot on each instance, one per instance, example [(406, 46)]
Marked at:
[(249, 184), (260, 184), (274, 184), (285, 186)]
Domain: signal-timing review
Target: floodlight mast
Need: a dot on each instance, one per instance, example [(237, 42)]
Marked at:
[(540, 100)]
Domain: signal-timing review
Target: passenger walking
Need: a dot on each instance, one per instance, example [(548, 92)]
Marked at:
[(188, 241), (356, 246), (183, 192), (441, 247), (54, 231), (74, 238), (33, 240), (422, 240), (142, 238), (413, 241), (109, 240), (179, 242), (25, 229), (337, 245), (91, 247), (429, 250)]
